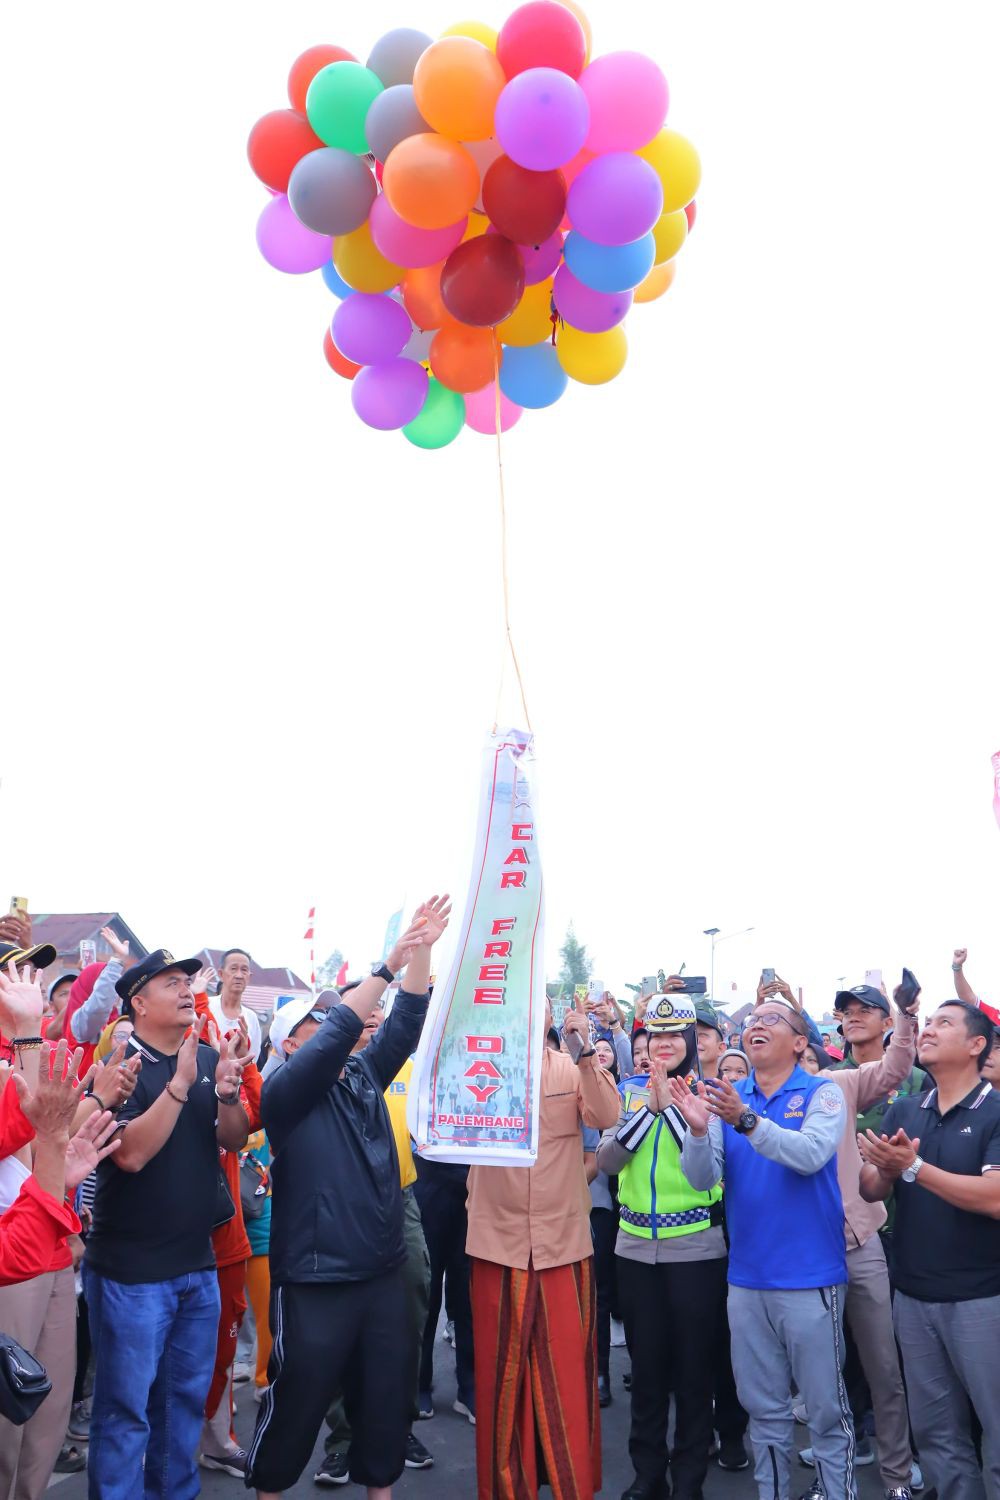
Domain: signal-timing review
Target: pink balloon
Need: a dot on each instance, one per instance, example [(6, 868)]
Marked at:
[(628, 98), (540, 261), (583, 308), (286, 244), (481, 411), (406, 245)]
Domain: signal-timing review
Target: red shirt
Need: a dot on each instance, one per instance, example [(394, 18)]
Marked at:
[(230, 1241), (33, 1230)]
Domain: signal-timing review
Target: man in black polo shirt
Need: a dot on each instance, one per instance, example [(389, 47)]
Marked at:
[(151, 1286), (941, 1153)]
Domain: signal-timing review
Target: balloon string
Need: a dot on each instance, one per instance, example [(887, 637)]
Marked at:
[(503, 555)]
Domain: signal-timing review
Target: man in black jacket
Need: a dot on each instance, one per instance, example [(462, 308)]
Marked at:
[(338, 1302)]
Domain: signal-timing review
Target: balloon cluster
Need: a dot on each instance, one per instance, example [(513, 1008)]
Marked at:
[(487, 205)]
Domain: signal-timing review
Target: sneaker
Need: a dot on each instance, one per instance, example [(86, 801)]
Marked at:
[(242, 1373), (260, 1391), (79, 1421), (617, 1334), (916, 1477), (71, 1460), (333, 1470), (449, 1332), (733, 1455), (417, 1456), (425, 1406), (465, 1409), (814, 1492), (234, 1463), (800, 1414), (898, 1492), (864, 1455)]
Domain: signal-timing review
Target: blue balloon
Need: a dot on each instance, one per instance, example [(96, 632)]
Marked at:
[(609, 268), (338, 287), (532, 377)]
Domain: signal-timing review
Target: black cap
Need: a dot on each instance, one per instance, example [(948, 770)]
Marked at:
[(158, 962), (867, 994), (708, 1016), (40, 955)]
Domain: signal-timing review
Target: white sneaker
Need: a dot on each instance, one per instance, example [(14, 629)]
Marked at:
[(259, 1392), (916, 1477), (242, 1373), (617, 1334)]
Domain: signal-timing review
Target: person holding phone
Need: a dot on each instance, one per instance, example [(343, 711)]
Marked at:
[(774, 1139), (671, 1255)]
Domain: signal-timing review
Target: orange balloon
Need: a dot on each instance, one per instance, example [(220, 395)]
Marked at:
[(456, 85), (656, 283), (462, 358), (422, 297), (588, 32), (430, 182)]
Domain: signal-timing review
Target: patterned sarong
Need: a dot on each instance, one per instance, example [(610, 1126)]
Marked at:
[(537, 1418)]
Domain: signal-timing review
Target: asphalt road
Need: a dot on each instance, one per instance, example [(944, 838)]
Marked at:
[(452, 1442)]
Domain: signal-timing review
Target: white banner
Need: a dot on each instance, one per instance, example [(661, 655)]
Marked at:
[(476, 1079)]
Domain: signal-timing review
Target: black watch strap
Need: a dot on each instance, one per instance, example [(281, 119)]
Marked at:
[(382, 971)]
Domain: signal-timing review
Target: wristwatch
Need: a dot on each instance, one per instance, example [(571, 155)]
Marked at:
[(746, 1122), (382, 971), (909, 1174)]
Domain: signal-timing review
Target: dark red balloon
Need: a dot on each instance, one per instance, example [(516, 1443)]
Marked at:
[(483, 281), (527, 207), (277, 143)]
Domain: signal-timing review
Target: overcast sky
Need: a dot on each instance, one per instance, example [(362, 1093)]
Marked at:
[(253, 647)]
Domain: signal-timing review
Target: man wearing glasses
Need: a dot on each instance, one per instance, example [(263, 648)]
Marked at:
[(774, 1137)]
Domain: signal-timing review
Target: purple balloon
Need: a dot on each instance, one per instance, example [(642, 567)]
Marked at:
[(583, 308), (616, 199), (288, 245), (370, 328), (405, 245), (389, 395), (540, 261), (542, 119)]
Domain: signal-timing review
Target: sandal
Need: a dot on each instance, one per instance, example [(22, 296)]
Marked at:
[(71, 1460)]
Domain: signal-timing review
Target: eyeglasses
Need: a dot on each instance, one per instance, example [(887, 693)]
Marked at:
[(768, 1020)]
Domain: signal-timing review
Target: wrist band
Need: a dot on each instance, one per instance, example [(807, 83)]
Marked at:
[(175, 1097), (591, 1053), (227, 1099), (27, 1043), (89, 1094), (957, 968)]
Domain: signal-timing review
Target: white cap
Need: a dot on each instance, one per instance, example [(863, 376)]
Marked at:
[(287, 1017)]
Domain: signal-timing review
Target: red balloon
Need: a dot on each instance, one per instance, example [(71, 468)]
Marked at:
[(279, 141), (542, 34), (527, 207), (483, 281), (691, 213), (336, 360), (305, 68)]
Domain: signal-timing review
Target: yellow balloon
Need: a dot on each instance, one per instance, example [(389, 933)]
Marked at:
[(670, 232), (678, 166), (477, 225), (477, 30), (531, 320), (362, 265), (656, 283), (592, 358)]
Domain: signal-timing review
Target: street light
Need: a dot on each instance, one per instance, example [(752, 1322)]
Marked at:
[(713, 933)]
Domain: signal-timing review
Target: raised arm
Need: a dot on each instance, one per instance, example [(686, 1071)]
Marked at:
[(298, 1085), (877, 1079), (963, 989), (87, 1023)]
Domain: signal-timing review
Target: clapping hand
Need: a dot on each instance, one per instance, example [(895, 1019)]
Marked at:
[(91, 1144), (187, 1058), (722, 1100), (115, 1079), (51, 1105), (892, 1155), (693, 1107), (234, 1058)]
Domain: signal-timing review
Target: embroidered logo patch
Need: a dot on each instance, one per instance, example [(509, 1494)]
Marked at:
[(831, 1101), (796, 1101)]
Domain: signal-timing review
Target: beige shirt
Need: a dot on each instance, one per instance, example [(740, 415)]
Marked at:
[(861, 1087), (542, 1213)]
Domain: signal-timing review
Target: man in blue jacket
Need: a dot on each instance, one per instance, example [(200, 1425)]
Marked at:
[(339, 1312), (774, 1137)]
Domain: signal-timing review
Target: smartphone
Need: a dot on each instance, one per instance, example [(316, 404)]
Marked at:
[(694, 984), (650, 984), (595, 991), (766, 977), (88, 952), (19, 906), (580, 992), (873, 977), (574, 1044), (909, 990)]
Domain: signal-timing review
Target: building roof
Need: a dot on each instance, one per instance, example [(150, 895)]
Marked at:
[(67, 930)]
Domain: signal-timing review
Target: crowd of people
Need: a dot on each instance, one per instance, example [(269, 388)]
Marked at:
[(776, 1225)]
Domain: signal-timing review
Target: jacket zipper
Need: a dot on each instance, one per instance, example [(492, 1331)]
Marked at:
[(652, 1179)]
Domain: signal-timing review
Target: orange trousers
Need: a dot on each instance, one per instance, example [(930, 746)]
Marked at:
[(259, 1288), (234, 1305)]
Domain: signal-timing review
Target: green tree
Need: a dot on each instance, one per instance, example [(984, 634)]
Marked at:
[(576, 966), (326, 974)]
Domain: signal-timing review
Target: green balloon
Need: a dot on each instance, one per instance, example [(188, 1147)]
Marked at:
[(338, 100), (440, 419)]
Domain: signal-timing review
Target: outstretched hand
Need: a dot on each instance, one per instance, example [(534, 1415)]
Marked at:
[(91, 1144), (21, 1001), (693, 1107)]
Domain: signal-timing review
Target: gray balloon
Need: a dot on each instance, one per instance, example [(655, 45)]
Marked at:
[(332, 191), (419, 345), (395, 55), (392, 117)]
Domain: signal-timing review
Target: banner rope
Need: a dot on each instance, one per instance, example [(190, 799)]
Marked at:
[(503, 557)]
